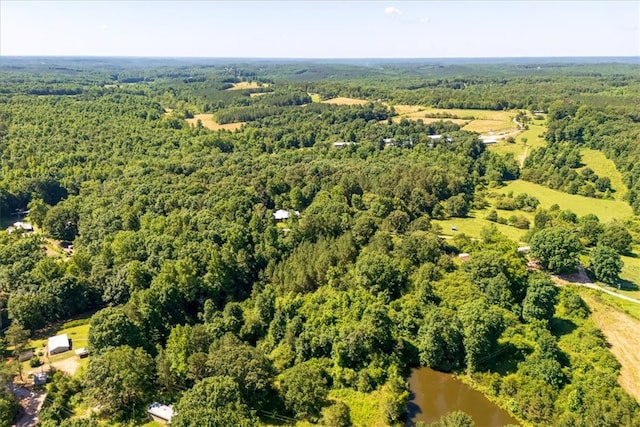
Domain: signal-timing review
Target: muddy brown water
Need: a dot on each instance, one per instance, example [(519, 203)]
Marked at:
[(434, 394)]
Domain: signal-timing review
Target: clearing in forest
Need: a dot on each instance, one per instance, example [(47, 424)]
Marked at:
[(602, 166), (247, 85), (482, 121), (208, 122), (346, 101), (605, 210), (621, 332)]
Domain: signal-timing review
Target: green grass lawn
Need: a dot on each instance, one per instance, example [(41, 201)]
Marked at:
[(628, 307), (76, 330), (606, 210), (631, 277), (473, 225), (533, 136), (598, 162)]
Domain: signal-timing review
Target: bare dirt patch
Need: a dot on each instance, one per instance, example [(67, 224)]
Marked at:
[(622, 334), (208, 122), (69, 365), (346, 101)]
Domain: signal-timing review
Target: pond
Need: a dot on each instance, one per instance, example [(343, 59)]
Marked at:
[(434, 394)]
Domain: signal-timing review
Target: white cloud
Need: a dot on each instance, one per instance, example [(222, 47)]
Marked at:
[(103, 27), (392, 11)]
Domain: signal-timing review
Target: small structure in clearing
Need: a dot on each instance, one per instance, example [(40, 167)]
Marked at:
[(82, 353), (160, 413), (58, 344), (40, 378), (342, 144), (282, 214), (20, 225)]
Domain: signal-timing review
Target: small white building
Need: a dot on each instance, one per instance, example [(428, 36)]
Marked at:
[(282, 214), (161, 413), (488, 139), (58, 344), (20, 225), (342, 143)]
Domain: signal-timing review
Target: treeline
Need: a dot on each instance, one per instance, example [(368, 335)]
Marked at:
[(612, 129)]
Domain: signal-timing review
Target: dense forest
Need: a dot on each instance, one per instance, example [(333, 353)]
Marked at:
[(201, 296)]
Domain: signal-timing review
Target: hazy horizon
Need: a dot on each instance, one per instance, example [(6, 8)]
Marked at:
[(320, 29)]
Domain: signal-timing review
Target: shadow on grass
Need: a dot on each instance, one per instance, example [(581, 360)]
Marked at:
[(627, 285), (507, 360), (560, 327)]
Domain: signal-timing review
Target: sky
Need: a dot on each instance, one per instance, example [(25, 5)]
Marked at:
[(320, 29)]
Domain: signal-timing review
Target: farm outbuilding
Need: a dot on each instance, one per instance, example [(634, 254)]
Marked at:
[(58, 344), (160, 413)]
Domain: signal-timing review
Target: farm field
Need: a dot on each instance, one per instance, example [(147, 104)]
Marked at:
[(606, 210), (247, 85), (520, 150), (602, 166), (208, 122), (345, 101), (481, 121), (621, 333), (472, 226)]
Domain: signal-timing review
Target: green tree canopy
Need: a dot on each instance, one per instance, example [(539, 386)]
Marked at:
[(606, 264), (120, 379), (556, 248), (213, 402)]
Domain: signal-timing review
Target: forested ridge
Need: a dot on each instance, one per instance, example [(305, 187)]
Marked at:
[(204, 300)]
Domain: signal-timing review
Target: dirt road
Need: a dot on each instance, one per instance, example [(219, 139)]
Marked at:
[(31, 402)]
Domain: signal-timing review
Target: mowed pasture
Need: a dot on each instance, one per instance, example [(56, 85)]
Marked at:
[(247, 85), (534, 137), (621, 333), (481, 121), (606, 210), (473, 224), (208, 122), (598, 162), (345, 101)]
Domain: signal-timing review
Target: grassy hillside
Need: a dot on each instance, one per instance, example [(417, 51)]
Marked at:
[(598, 162), (606, 210)]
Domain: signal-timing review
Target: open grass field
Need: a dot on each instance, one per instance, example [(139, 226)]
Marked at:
[(208, 122), (315, 97), (606, 210), (598, 162), (534, 139), (621, 332), (630, 276), (481, 121), (247, 85), (473, 225), (345, 101), (365, 407)]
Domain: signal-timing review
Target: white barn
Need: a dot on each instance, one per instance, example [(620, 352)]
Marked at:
[(58, 344)]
